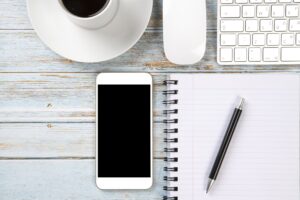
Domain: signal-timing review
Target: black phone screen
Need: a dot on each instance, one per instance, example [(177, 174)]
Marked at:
[(124, 131)]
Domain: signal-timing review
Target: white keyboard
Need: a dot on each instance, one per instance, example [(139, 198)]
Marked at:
[(258, 32)]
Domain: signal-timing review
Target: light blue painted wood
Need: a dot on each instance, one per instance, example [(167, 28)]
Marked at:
[(13, 15), (31, 55), (58, 140), (65, 180), (56, 97)]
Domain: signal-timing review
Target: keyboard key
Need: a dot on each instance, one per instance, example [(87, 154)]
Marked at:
[(241, 1), (290, 54), (251, 25), (294, 25), (256, 1), (228, 40), (226, 55), (270, 1), (278, 11), (292, 10), (230, 11), (266, 25), (248, 11), (232, 25), (263, 11), (258, 39), (244, 39), (273, 39), (285, 1), (240, 54), (270, 54), (287, 39), (226, 1), (254, 54), (281, 25), (298, 39)]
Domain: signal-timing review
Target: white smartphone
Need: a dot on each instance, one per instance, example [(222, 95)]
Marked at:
[(124, 131)]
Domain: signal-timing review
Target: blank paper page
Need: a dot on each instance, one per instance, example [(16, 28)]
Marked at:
[(262, 161)]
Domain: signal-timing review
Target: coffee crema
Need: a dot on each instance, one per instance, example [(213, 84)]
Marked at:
[(85, 8)]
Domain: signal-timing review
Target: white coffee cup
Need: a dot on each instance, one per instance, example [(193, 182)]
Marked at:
[(102, 18)]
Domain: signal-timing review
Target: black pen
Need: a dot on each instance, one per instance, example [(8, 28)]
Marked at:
[(225, 143)]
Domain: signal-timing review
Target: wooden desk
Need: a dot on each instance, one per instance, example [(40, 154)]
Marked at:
[(47, 115)]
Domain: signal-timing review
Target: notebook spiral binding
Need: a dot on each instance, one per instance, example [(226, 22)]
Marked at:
[(168, 140)]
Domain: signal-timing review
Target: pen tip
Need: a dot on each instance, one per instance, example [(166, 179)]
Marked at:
[(209, 184), (241, 103)]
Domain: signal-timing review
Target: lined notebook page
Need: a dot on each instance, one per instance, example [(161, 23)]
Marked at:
[(262, 161)]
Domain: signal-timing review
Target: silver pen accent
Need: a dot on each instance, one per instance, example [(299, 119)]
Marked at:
[(209, 185), (241, 103)]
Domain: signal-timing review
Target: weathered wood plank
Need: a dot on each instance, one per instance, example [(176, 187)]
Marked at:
[(13, 14), (57, 140), (65, 180), (56, 97), (31, 55), (22, 51)]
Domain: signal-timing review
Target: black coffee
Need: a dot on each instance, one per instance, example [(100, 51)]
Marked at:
[(84, 8)]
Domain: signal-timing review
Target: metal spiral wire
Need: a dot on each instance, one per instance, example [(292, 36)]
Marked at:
[(169, 140)]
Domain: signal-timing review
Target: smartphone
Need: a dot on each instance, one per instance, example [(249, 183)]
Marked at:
[(124, 131)]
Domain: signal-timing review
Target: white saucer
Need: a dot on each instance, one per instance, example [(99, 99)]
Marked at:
[(83, 45)]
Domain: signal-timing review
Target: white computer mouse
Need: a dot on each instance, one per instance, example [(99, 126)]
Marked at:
[(184, 23)]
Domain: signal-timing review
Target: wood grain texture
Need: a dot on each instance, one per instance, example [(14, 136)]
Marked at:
[(57, 140), (13, 15), (65, 180), (56, 97), (31, 55)]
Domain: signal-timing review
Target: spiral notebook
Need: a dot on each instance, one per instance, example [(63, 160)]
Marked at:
[(262, 162)]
